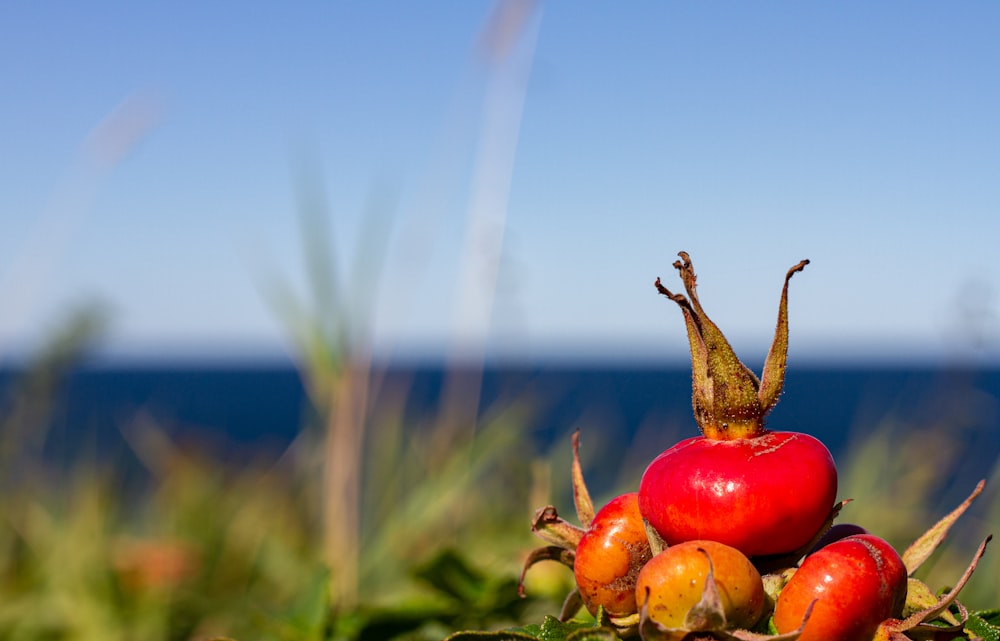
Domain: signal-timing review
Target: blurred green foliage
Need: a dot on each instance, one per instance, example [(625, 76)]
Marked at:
[(199, 548)]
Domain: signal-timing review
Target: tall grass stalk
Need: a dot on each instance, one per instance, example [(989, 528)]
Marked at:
[(332, 333), (347, 414), (329, 334)]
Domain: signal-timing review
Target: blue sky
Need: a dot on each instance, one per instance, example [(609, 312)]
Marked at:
[(155, 157)]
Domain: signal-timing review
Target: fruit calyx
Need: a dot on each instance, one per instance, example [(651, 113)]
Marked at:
[(729, 401)]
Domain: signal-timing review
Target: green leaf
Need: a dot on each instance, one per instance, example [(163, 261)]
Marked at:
[(595, 634), (311, 614), (985, 624), (551, 629), (450, 574), (505, 635)]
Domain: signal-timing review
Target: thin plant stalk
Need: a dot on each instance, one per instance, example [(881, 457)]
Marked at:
[(342, 471), (509, 68)]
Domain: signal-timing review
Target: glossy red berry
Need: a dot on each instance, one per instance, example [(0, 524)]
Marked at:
[(768, 494), (856, 583)]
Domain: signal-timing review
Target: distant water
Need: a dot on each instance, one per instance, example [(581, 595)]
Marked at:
[(246, 407)]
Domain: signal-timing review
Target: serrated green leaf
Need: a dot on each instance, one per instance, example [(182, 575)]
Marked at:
[(552, 629), (504, 635), (987, 627), (595, 634), (990, 616)]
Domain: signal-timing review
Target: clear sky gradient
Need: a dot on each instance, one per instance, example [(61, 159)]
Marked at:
[(528, 172)]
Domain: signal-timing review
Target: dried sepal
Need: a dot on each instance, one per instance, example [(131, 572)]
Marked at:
[(724, 389), (581, 495), (729, 400), (772, 380), (703, 390), (548, 553), (708, 613), (946, 600), (707, 620), (747, 635), (921, 549), (657, 543), (919, 596), (626, 626), (774, 583), (549, 526), (650, 630), (918, 626), (563, 537), (571, 605), (920, 632)]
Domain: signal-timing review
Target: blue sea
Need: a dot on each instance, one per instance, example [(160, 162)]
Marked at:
[(246, 408)]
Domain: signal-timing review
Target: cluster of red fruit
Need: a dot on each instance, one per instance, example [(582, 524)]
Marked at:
[(730, 534)]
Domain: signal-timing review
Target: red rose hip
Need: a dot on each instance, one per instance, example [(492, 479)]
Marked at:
[(610, 555), (768, 494), (856, 583), (672, 582), (760, 491)]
